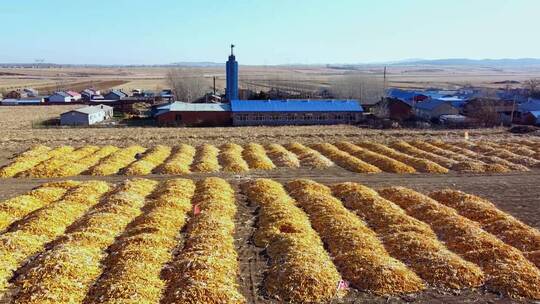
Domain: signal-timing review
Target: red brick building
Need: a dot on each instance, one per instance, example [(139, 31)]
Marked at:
[(193, 114)]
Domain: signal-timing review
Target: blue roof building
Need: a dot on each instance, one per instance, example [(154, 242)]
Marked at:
[(295, 112), (434, 108)]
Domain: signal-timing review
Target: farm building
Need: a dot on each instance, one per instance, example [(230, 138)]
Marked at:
[(91, 94), (74, 95), (193, 114), (295, 112), (86, 116), (59, 97), (531, 118), (398, 109), (115, 95), (23, 101), (434, 108)]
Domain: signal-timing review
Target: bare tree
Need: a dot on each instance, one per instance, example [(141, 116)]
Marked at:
[(185, 87), (533, 85), (368, 89), (381, 110)]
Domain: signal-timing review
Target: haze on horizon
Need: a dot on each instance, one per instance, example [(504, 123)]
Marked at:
[(266, 32)]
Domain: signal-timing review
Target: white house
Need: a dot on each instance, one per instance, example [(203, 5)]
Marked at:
[(60, 97), (86, 116)]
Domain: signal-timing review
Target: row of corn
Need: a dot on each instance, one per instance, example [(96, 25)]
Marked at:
[(401, 157)]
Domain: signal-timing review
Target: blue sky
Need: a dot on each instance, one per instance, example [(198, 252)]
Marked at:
[(265, 32)]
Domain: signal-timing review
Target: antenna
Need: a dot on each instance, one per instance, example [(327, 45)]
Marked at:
[(232, 48)]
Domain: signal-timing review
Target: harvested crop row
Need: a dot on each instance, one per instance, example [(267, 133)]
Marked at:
[(408, 149), (136, 259), (490, 160), (150, 160), (206, 159), (116, 161), (344, 159), (507, 270), (422, 145), (16, 208), (231, 159), (300, 271), (282, 157), (256, 157), (29, 236), (53, 167), (384, 163), (517, 149), (309, 157), (26, 160), (206, 269), (179, 162), (502, 153), (355, 249), (422, 165), (85, 163), (65, 273), (501, 224), (410, 240)]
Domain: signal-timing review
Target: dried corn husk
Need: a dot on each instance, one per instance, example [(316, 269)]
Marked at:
[(300, 269), (282, 157), (420, 164), (116, 161), (382, 162), (26, 160), (206, 159), (256, 157), (149, 161), (344, 159), (83, 164), (408, 149), (410, 240), (309, 157), (357, 252), (53, 167), (507, 270), (231, 159), (180, 160)]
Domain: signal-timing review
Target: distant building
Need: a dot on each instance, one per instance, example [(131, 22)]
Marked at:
[(16, 94), (295, 112), (31, 92), (531, 118), (166, 95), (74, 95), (398, 109), (23, 101), (231, 91), (86, 116), (60, 97), (91, 94), (115, 95), (434, 108), (193, 114)]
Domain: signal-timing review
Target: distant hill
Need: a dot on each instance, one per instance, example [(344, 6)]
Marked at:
[(520, 62)]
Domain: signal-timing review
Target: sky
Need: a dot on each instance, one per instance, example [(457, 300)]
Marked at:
[(266, 32)]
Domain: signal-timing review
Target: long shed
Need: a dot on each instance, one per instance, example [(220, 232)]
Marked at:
[(193, 114), (295, 112)]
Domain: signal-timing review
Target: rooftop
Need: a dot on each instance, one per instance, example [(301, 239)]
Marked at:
[(179, 106), (296, 105), (90, 109)]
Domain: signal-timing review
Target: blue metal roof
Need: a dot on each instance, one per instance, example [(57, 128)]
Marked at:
[(296, 105), (531, 105), (430, 104)]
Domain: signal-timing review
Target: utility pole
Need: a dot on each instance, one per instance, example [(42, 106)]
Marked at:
[(214, 85), (384, 84)]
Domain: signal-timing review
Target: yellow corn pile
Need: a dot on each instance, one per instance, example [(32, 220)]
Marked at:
[(206, 269), (384, 163), (300, 271), (116, 161), (26, 160), (422, 165), (80, 166), (410, 240), (206, 159), (309, 157), (133, 268), (452, 147), (256, 157), (180, 161), (355, 249), (507, 270), (282, 157), (502, 153), (501, 224), (29, 236), (423, 145), (66, 271), (231, 158), (344, 159), (54, 167), (150, 160), (16, 208), (408, 149)]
